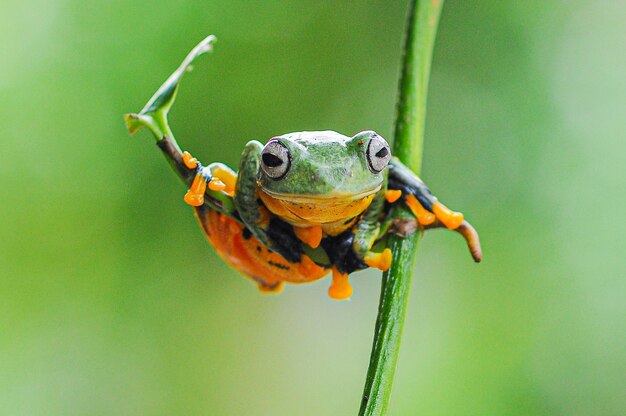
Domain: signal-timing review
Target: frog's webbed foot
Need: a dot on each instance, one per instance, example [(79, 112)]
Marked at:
[(442, 217), (430, 213), (450, 219), (215, 177), (340, 288)]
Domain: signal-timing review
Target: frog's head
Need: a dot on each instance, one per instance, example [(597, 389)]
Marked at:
[(321, 177)]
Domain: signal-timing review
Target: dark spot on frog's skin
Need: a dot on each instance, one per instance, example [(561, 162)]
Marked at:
[(246, 234), (284, 240), (341, 253), (315, 177), (280, 266), (258, 248), (361, 142)]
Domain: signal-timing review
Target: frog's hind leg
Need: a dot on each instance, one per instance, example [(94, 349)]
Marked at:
[(425, 206), (430, 213), (251, 211)]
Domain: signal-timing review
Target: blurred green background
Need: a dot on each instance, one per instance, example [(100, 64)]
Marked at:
[(112, 303)]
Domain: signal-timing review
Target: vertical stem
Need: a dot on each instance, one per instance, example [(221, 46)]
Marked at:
[(408, 141), (413, 88)]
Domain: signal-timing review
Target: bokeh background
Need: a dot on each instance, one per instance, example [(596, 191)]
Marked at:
[(112, 303)]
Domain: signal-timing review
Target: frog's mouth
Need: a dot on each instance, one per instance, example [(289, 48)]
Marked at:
[(305, 210), (321, 198)]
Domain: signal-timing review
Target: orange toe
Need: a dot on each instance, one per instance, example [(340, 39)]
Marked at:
[(215, 184), (189, 161), (195, 194), (309, 235), (340, 288), (452, 220), (392, 195), (380, 261), (423, 216)]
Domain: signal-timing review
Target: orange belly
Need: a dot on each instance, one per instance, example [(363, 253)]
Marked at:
[(250, 257)]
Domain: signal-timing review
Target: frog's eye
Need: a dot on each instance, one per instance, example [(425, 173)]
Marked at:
[(275, 160), (378, 154)]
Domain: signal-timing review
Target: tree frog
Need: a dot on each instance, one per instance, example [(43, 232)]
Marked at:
[(303, 205)]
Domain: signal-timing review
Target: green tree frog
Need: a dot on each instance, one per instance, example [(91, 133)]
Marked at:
[(303, 205)]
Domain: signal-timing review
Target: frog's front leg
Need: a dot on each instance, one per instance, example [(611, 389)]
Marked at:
[(273, 232), (253, 214), (351, 250), (368, 230)]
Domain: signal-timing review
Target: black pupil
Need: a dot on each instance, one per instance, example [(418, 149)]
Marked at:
[(382, 152), (271, 160)]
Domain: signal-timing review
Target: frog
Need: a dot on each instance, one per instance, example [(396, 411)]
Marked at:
[(303, 205)]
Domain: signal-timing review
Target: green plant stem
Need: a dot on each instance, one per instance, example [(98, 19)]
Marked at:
[(408, 142)]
